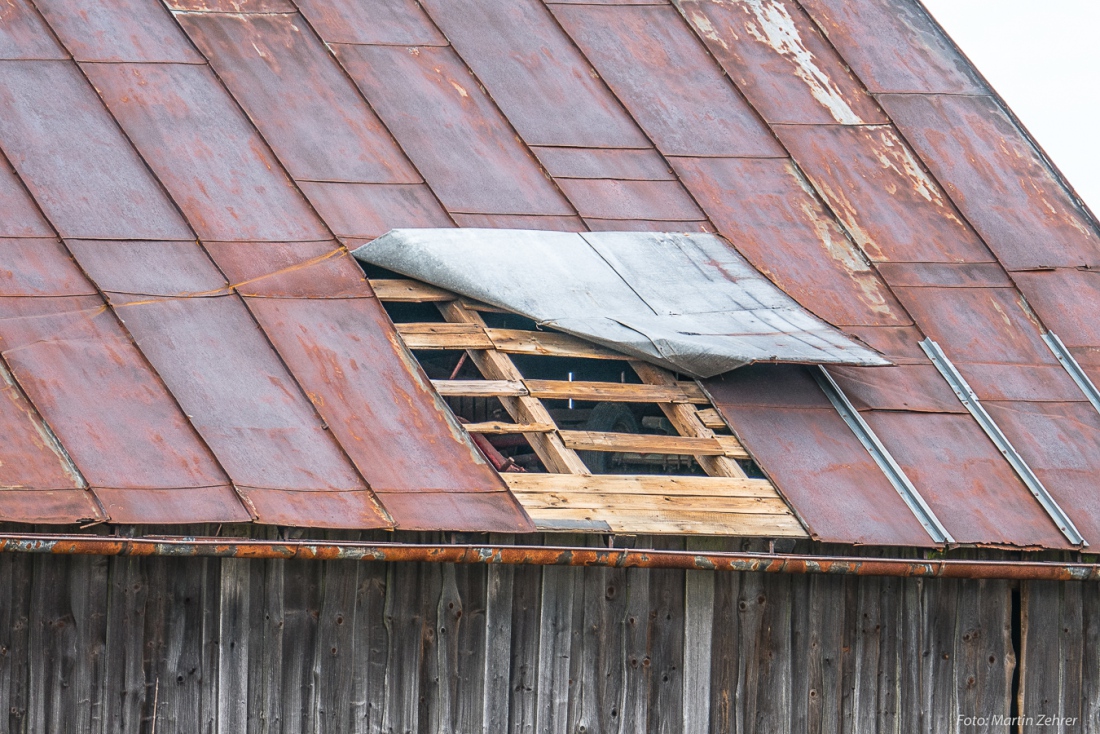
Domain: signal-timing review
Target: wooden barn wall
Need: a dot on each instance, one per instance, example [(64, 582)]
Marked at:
[(165, 645)]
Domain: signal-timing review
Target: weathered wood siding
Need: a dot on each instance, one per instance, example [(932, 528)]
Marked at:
[(226, 646)]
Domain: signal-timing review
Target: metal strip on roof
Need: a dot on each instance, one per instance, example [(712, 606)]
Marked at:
[(882, 457), (972, 404), (1065, 357)]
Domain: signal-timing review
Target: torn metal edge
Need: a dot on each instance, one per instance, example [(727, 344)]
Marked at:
[(970, 401), (894, 473)]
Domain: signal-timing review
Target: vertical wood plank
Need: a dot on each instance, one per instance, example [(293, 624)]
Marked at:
[(698, 634), (725, 651), (15, 589), (233, 618), (371, 645), (125, 674), (180, 665), (750, 608), (526, 617), (831, 616), (470, 665), (636, 641), (53, 641), (666, 632), (1090, 664), (609, 595), (88, 588), (336, 649), (269, 695), (154, 642), (302, 583), (774, 651), (911, 717), (865, 694), (498, 647), (555, 646), (942, 608), (443, 692)]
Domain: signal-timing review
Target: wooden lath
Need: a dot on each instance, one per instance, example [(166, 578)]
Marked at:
[(725, 502)]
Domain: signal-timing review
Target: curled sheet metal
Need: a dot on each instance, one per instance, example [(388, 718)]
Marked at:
[(120, 30), (688, 302), (780, 60), (383, 22), (997, 179), (677, 93), (819, 466), (894, 46), (71, 155), (535, 73), (304, 105), (458, 139)]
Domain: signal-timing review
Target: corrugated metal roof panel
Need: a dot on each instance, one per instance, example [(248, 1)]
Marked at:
[(456, 137), (769, 213), (380, 406), (23, 34), (878, 188), (535, 74), (384, 22), (77, 164), (818, 464), (120, 30), (997, 180), (210, 158), (371, 210), (781, 61), (307, 109), (893, 46), (663, 74)]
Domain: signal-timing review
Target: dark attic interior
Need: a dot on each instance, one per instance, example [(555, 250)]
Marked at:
[(537, 366)]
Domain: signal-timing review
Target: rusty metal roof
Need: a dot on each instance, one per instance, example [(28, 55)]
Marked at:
[(184, 338)]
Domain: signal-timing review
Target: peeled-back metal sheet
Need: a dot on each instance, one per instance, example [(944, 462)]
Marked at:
[(303, 103), (80, 168), (773, 218), (780, 61), (880, 191), (662, 73), (384, 22), (210, 158), (818, 464), (23, 35), (535, 73), (997, 180), (688, 302), (893, 46), (454, 134), (380, 406), (370, 210), (120, 30)]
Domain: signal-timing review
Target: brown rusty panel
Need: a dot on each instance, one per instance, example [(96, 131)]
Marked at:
[(39, 267), (666, 79), (771, 215), (520, 221), (108, 408), (978, 324), (452, 131), (893, 46), (120, 30), (1061, 443), (647, 225), (1026, 382), (878, 188), (233, 6), (1068, 302), (304, 105), (913, 387), (997, 180), (49, 506), (239, 395), (613, 163), (945, 275), (380, 406), (168, 506), (21, 216), (290, 269), (817, 463), (350, 509), (24, 35), (149, 268), (384, 22), (210, 158), (474, 512), (964, 479), (77, 164), (900, 344), (780, 60), (535, 74), (371, 210), (609, 199)]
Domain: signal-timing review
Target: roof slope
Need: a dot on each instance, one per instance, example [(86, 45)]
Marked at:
[(180, 310)]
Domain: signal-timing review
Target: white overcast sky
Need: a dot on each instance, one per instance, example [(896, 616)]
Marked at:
[(1043, 57)]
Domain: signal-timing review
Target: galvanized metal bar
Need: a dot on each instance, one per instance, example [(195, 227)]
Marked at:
[(885, 460), (1073, 368), (107, 545), (1027, 475)]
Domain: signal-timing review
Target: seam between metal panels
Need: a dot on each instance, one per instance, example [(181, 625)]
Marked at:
[(1067, 360), (970, 401), (894, 473)]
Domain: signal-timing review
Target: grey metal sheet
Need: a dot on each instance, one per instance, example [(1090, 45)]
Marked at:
[(685, 301)]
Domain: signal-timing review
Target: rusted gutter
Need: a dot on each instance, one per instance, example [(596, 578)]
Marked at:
[(104, 545)]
